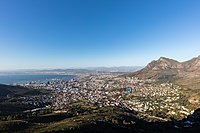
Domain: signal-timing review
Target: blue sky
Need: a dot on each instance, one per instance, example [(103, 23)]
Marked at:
[(42, 34)]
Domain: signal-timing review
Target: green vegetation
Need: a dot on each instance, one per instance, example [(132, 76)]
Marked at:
[(85, 118)]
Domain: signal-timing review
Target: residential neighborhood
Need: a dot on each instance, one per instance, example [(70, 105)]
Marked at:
[(143, 96)]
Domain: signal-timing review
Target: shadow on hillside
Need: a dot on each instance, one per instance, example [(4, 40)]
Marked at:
[(188, 125)]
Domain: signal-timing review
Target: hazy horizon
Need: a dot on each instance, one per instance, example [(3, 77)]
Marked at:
[(51, 34), (87, 67)]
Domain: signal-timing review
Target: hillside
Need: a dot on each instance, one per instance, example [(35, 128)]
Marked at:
[(161, 68), (12, 90), (100, 120), (6, 90), (14, 99), (185, 74), (165, 68)]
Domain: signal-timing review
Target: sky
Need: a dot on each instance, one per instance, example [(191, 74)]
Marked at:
[(46, 34)]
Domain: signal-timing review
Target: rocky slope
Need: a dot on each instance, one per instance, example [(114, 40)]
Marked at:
[(165, 68), (185, 74)]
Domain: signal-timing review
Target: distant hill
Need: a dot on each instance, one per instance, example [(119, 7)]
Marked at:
[(116, 69), (72, 71)]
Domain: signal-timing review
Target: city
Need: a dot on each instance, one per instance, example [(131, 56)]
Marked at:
[(144, 96), (99, 66)]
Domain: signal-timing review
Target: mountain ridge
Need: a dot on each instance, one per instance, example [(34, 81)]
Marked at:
[(185, 74), (165, 67)]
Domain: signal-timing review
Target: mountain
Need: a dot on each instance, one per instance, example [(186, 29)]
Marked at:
[(185, 74), (165, 68), (159, 69)]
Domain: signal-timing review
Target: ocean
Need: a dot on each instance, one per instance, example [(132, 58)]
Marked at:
[(10, 79)]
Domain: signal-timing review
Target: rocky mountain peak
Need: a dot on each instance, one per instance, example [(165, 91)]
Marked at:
[(163, 63), (168, 67), (163, 59)]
